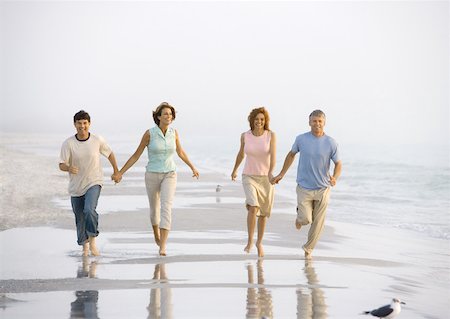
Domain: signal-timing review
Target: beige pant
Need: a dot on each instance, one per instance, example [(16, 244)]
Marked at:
[(160, 191), (311, 209)]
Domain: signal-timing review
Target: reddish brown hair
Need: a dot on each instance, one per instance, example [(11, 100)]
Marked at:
[(254, 113)]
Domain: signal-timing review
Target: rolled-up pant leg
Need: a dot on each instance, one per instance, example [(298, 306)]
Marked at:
[(86, 216), (168, 187), (320, 204), (161, 191), (153, 186)]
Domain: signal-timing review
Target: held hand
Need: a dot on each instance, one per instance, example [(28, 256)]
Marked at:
[(73, 170), (195, 173), (276, 179), (117, 177), (332, 181)]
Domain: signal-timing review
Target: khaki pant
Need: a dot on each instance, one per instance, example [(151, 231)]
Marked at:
[(311, 209), (161, 191)]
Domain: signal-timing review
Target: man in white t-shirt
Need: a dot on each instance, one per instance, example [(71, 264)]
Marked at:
[(80, 157)]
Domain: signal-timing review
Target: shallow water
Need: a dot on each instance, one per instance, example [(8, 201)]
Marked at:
[(207, 274), (130, 280)]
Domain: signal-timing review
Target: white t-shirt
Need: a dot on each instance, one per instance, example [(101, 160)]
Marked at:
[(86, 156)]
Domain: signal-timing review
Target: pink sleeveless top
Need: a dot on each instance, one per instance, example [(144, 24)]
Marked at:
[(257, 150)]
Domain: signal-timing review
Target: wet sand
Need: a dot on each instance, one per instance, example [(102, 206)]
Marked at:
[(206, 273)]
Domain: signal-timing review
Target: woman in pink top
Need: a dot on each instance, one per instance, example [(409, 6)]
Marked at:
[(259, 145)]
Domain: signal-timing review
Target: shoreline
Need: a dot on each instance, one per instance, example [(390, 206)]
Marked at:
[(209, 259), (206, 272)]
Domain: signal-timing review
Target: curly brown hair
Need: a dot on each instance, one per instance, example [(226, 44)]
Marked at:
[(254, 113), (159, 110)]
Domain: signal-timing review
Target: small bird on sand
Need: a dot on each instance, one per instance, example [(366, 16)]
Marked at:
[(388, 311)]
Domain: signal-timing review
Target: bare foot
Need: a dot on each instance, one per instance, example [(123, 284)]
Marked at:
[(85, 249), (94, 250), (308, 255), (297, 224), (93, 247), (162, 250), (248, 247), (260, 250), (156, 234)]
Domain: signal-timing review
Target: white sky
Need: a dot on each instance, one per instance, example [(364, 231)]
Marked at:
[(379, 70)]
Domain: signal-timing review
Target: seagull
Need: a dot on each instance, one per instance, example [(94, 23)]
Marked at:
[(388, 311)]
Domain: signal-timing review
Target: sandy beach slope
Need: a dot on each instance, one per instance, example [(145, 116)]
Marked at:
[(206, 273)]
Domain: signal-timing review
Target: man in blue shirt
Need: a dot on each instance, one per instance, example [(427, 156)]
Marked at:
[(314, 181)]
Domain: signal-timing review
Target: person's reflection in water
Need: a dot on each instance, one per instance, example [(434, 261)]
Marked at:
[(311, 301), (85, 304), (160, 297), (87, 269), (259, 300)]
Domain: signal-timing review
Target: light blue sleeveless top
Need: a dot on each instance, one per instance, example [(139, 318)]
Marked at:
[(160, 151)]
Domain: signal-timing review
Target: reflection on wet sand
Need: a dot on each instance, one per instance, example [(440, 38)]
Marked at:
[(87, 269), (311, 301), (259, 300), (160, 297), (85, 304)]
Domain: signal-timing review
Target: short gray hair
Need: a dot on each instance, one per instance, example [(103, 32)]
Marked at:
[(317, 113)]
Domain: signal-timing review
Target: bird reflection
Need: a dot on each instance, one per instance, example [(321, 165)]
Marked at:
[(161, 296), (311, 301), (218, 189), (259, 300), (85, 304)]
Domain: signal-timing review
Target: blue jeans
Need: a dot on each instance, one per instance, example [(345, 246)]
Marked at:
[(86, 217)]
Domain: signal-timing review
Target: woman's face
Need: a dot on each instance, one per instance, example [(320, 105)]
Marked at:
[(166, 116), (260, 121)]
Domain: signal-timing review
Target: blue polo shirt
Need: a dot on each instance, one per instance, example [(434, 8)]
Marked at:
[(316, 154)]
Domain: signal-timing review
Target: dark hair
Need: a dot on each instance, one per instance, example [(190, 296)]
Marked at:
[(254, 113), (81, 115), (317, 113), (159, 109)]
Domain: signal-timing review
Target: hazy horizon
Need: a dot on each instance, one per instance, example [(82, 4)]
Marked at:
[(379, 70)]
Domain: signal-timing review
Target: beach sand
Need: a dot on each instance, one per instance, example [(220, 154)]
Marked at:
[(206, 273)]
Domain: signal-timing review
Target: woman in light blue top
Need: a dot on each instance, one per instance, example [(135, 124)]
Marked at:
[(162, 142)]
